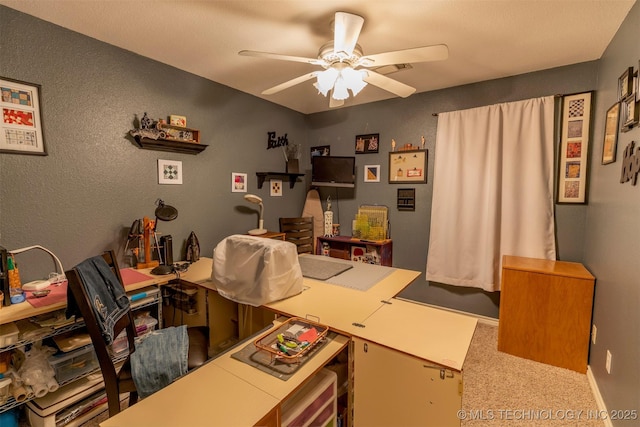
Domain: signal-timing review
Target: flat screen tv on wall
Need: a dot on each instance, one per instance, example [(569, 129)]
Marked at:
[(333, 171)]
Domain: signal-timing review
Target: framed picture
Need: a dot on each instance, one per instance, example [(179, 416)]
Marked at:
[(21, 131), (180, 121), (629, 113), (574, 148), (275, 186), (408, 167), (610, 142), (372, 173), (321, 150), (238, 182), (625, 84), (169, 171), (367, 143)]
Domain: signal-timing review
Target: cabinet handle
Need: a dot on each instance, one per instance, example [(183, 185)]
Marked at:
[(366, 347)]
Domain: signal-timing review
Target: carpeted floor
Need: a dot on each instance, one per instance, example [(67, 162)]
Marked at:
[(501, 390)]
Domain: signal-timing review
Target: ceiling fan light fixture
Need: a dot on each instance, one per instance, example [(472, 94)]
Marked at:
[(326, 80), (354, 79), (340, 91)]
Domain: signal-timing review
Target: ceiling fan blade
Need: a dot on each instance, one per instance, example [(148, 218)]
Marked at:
[(346, 32), (335, 103), (269, 55), (390, 85), (290, 83), (418, 54)]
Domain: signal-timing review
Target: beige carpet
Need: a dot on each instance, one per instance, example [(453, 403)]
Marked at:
[(502, 390)]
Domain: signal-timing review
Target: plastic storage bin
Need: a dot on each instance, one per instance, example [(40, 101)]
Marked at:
[(144, 325), (315, 404), (8, 334), (74, 364)]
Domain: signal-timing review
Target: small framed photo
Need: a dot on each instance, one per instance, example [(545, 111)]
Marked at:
[(372, 173), (625, 84), (408, 167), (169, 171), (321, 150), (611, 126), (275, 186), (367, 143), (21, 127), (629, 113), (238, 182), (178, 121)]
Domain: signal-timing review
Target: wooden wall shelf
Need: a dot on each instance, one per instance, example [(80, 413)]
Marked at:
[(169, 145), (292, 177)]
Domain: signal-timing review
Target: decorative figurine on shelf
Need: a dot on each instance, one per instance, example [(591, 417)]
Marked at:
[(145, 122), (328, 220), (393, 145), (422, 142)]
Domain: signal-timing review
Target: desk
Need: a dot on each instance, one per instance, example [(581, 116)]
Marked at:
[(392, 331)]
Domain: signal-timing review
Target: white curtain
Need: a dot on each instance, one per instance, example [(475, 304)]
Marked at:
[(492, 192)]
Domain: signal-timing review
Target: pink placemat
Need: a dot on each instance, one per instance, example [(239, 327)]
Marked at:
[(130, 275), (58, 294)]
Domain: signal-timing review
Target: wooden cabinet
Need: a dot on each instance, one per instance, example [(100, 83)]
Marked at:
[(343, 247), (545, 311), (391, 388)]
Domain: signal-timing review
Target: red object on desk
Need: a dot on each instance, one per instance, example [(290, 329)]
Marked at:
[(130, 275), (58, 294)]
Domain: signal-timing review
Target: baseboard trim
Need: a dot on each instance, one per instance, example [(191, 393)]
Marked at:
[(482, 319), (596, 394)]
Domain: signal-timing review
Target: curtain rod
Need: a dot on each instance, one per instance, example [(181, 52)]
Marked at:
[(557, 95)]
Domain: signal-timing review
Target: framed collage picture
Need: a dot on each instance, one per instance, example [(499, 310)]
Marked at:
[(367, 143), (574, 148), (408, 167), (21, 131)]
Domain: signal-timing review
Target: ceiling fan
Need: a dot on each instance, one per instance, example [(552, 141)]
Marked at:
[(342, 58)]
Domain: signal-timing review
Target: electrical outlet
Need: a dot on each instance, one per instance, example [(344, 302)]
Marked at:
[(608, 362), (594, 332)]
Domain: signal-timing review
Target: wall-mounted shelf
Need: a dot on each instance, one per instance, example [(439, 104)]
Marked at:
[(169, 145), (292, 177)]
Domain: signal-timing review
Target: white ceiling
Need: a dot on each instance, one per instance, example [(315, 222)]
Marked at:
[(487, 39)]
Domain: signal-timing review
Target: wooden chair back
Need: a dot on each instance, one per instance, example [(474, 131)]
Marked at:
[(298, 231), (117, 379)]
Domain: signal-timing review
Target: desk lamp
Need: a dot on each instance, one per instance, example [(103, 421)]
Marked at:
[(164, 213), (257, 200)]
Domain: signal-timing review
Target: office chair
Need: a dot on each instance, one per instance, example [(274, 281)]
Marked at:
[(121, 381), (298, 231)]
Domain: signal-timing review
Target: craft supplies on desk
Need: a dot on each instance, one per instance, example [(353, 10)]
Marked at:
[(292, 340)]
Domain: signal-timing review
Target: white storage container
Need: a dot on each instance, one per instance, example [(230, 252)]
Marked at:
[(315, 404), (8, 334)]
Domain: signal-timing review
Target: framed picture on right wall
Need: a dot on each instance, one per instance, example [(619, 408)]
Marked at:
[(574, 148)]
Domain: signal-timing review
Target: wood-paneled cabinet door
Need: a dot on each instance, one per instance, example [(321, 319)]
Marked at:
[(395, 389)]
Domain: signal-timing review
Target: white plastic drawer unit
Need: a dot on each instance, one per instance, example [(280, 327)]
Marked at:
[(315, 404)]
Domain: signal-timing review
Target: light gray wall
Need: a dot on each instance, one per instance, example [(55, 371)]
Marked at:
[(82, 198), (406, 120), (612, 239)]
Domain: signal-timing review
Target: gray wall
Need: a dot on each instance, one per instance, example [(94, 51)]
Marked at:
[(406, 120), (612, 239), (82, 198)]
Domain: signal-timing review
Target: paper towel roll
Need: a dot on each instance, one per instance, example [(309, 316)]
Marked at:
[(19, 393), (40, 389), (52, 385)]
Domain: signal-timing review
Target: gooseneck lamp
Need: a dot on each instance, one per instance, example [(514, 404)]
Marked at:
[(257, 200)]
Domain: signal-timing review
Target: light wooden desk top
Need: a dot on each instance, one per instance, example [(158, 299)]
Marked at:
[(211, 395), (228, 392)]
